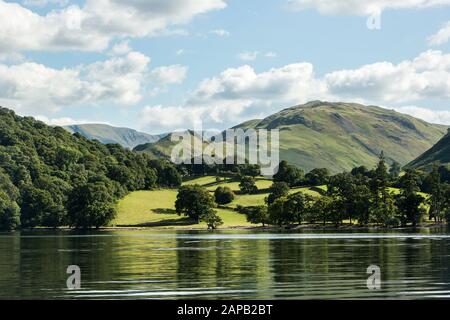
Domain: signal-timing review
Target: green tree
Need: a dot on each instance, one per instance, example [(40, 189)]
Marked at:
[(289, 174), (277, 190), (193, 201), (212, 220), (248, 185), (90, 205), (317, 177), (409, 202), (437, 195), (299, 205), (394, 170), (278, 213), (257, 215), (35, 204), (321, 210), (9, 213), (223, 195)]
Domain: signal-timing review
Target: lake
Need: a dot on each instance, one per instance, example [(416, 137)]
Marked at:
[(143, 264)]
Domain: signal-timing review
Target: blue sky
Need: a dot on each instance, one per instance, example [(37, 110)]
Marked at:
[(159, 65)]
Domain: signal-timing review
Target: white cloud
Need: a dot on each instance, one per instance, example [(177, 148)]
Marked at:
[(425, 77), (359, 7), (93, 26), (43, 3), (174, 74), (120, 48), (431, 116), (220, 32), (441, 37), (65, 121), (248, 55), (121, 80), (238, 94), (160, 118)]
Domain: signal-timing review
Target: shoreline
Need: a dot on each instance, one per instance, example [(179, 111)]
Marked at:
[(253, 228)]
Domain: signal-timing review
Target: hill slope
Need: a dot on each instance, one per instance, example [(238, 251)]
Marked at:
[(439, 153), (339, 136), (127, 138)]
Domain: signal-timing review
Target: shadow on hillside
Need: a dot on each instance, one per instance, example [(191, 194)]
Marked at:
[(164, 223), (164, 211)]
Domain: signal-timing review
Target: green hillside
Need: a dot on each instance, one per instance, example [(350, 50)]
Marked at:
[(439, 153), (127, 138), (51, 178), (338, 136)]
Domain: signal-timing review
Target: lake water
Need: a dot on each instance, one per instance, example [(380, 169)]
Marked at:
[(224, 265)]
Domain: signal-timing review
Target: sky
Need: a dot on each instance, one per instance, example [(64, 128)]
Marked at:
[(163, 65)]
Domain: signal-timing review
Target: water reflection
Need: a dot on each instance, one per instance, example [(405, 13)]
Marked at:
[(231, 265)]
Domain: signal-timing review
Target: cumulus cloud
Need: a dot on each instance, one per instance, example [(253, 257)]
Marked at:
[(358, 7), (43, 3), (119, 80), (174, 74), (120, 48), (238, 94), (441, 37), (93, 26), (425, 77), (65, 121), (432, 116)]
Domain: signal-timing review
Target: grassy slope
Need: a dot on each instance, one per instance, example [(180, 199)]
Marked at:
[(156, 208), (439, 153), (340, 136)]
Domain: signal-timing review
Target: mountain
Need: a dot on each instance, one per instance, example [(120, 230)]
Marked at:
[(339, 136), (127, 138), (439, 153)]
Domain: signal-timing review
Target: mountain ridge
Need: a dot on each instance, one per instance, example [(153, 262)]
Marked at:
[(126, 137), (339, 135)]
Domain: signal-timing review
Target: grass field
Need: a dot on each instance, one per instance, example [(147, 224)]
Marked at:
[(157, 208)]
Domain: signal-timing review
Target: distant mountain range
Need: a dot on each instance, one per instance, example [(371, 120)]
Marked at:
[(338, 136), (126, 137), (439, 153)]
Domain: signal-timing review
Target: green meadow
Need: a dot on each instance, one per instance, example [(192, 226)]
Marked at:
[(157, 208)]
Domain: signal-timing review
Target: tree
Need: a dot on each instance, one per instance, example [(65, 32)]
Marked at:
[(9, 213), (395, 170), (289, 174), (248, 185), (437, 196), (193, 201), (277, 190), (299, 205), (321, 210), (317, 177), (212, 220), (385, 213), (90, 205), (257, 215), (278, 215), (409, 202), (380, 182), (35, 204), (223, 195)]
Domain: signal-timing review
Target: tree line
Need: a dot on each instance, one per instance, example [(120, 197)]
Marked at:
[(51, 178), (383, 196)]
